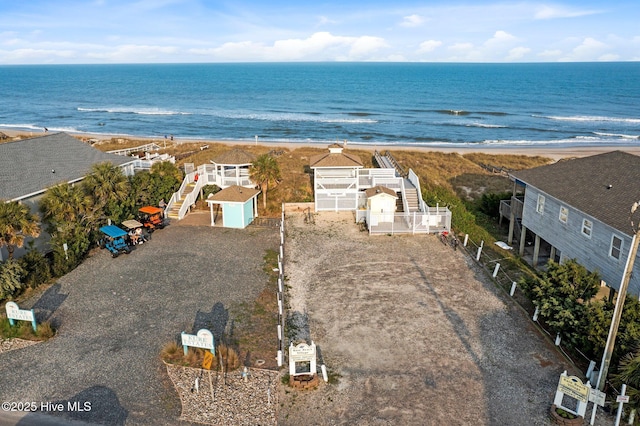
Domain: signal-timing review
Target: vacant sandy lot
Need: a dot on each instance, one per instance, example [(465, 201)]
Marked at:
[(414, 332)]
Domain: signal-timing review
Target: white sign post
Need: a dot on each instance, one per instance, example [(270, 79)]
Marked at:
[(302, 353), (15, 313), (202, 339)]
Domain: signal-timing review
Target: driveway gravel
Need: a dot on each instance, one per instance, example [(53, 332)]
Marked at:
[(115, 315)]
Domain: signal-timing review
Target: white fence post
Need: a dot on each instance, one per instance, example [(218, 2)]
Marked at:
[(536, 313), (466, 240), (495, 270), (513, 289), (479, 251), (558, 339)]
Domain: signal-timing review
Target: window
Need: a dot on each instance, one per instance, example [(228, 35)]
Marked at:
[(587, 227), (564, 214), (616, 247), (540, 206)]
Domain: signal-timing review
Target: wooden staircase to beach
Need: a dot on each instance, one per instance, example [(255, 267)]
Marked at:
[(175, 207)]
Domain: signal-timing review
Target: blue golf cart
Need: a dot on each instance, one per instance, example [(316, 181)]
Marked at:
[(114, 240)]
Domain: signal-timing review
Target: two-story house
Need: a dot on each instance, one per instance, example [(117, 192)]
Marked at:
[(579, 209)]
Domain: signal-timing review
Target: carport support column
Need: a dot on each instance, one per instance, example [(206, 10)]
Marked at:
[(213, 222), (523, 238), (255, 206), (552, 253), (536, 250), (512, 219)]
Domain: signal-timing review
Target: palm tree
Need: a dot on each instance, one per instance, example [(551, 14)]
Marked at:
[(16, 223), (629, 373), (264, 172), (109, 188), (66, 204)]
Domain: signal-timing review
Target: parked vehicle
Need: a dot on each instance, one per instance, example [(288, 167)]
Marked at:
[(151, 217), (135, 231), (114, 240)]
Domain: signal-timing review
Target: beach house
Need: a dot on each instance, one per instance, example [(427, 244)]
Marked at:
[(29, 166), (386, 198), (578, 209)]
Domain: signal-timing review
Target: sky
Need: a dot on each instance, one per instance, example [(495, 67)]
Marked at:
[(200, 31)]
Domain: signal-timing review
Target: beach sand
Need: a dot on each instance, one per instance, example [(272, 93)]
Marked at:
[(552, 152)]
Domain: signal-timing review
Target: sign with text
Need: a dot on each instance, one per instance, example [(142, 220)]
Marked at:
[(597, 397), (572, 387), (302, 353), (202, 339), (15, 313), (207, 361)]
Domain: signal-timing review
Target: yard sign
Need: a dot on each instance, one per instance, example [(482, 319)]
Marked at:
[(15, 313), (202, 339)]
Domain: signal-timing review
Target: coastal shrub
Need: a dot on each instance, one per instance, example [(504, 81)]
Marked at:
[(489, 203), (562, 293), (78, 242), (462, 220), (209, 189), (36, 267), (24, 330), (171, 353), (229, 356), (11, 273)]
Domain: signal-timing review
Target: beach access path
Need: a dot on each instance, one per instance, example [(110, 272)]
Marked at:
[(115, 315)]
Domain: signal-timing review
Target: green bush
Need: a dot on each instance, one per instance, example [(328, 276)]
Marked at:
[(36, 267), (11, 273)]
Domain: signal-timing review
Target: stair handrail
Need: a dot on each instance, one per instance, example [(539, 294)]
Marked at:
[(395, 164), (415, 180)]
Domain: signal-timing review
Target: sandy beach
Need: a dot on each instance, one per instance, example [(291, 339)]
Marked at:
[(552, 152)]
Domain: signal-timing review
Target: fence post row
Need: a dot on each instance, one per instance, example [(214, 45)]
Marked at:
[(280, 293)]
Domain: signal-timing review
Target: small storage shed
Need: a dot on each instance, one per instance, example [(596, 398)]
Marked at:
[(238, 204), (381, 204)]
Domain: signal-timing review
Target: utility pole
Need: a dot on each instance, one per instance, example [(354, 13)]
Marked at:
[(617, 312)]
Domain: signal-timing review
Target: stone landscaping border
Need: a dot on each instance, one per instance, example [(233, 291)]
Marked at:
[(221, 400), (15, 343)]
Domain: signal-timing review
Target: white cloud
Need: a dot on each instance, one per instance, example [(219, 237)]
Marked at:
[(461, 47), (517, 53), (323, 20), (609, 57), (500, 38), (589, 49), (549, 12), (135, 53), (412, 21), (550, 54), (429, 46), (319, 46)]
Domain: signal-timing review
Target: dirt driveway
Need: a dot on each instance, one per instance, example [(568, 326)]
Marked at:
[(413, 332)]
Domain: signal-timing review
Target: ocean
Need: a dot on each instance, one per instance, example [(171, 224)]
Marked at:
[(505, 105)]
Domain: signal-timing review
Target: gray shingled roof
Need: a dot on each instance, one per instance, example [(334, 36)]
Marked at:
[(26, 165), (583, 183)]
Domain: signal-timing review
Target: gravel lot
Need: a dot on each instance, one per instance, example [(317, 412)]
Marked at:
[(114, 316), (414, 332)]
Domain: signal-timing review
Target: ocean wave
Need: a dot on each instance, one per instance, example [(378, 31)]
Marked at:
[(140, 111), (452, 111), (22, 126), (463, 112), (590, 118), (488, 126), (617, 135)]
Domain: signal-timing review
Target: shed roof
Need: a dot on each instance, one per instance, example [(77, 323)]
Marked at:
[(235, 157), (30, 166), (234, 194), (335, 159), (603, 186), (378, 190)]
